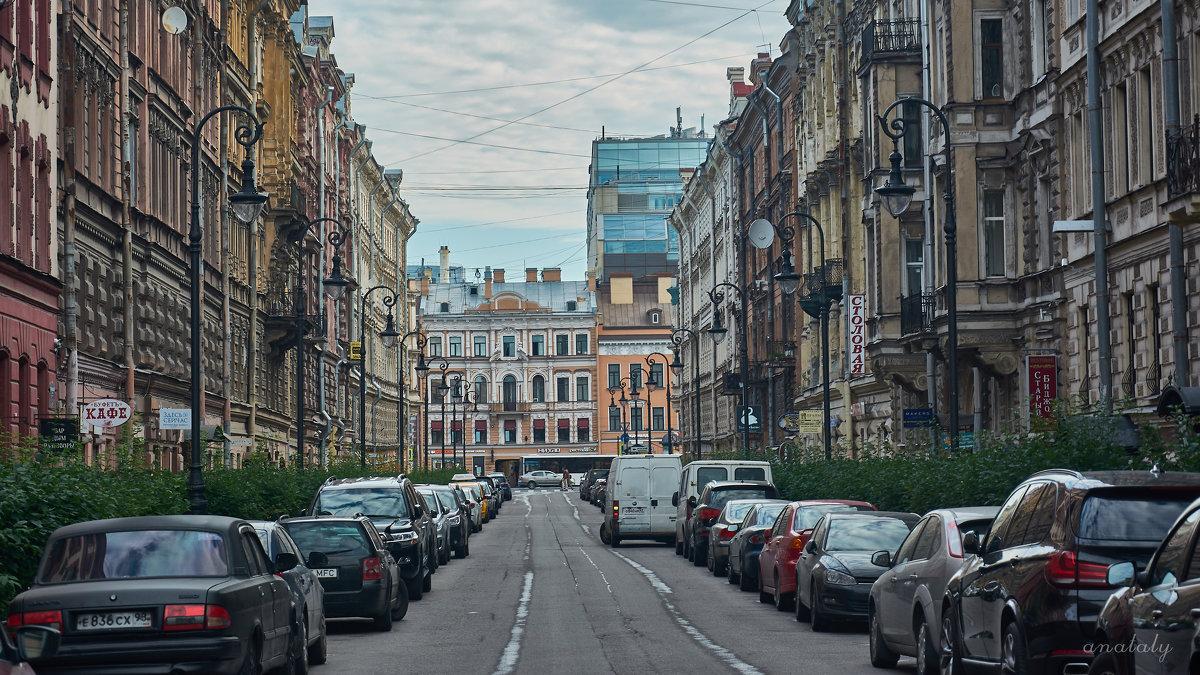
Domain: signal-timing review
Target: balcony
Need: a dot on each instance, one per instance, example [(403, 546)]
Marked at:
[(889, 39), (1183, 173), (501, 407), (916, 314), (282, 325), (821, 288)]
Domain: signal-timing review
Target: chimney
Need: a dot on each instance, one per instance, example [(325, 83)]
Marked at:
[(531, 275), (444, 253), (498, 275), (487, 283), (552, 274), (591, 281), (759, 67), (736, 75), (425, 274)]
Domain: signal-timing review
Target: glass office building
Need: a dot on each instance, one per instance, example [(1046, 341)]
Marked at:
[(634, 185)]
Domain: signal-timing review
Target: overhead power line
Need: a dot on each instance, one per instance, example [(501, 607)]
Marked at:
[(471, 142), (496, 222), (455, 173)]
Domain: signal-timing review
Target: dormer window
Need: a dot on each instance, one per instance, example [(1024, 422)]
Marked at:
[(572, 305), (654, 316), (445, 307)]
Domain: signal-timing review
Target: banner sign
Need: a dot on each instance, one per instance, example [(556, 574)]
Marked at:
[(1043, 383), (58, 434), (856, 334), (810, 421), (915, 418), (748, 418), (174, 418), (106, 412)]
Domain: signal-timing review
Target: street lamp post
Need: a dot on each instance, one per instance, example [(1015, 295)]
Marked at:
[(421, 369), (897, 196), (651, 384), (626, 403), (677, 338), (718, 331), (388, 336), (247, 205)]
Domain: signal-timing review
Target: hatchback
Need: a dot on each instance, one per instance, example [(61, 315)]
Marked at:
[(1029, 598), (782, 545), (747, 544), (728, 523)]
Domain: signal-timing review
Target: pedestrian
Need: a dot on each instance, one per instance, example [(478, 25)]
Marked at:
[(566, 479)]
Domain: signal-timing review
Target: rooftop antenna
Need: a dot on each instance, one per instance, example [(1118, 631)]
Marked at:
[(601, 132), (703, 129), (679, 121)]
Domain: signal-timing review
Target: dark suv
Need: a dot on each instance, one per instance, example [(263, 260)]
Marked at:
[(708, 507), (1031, 594), (399, 514)]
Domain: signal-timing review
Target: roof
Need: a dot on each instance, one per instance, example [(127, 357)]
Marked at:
[(898, 515), (552, 295), (970, 512), (726, 462), (738, 483), (182, 522), (369, 481)]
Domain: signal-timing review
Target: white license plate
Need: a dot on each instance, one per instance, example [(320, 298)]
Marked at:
[(634, 509), (327, 573), (113, 620)]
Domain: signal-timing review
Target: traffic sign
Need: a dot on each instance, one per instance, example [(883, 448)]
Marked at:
[(748, 416)]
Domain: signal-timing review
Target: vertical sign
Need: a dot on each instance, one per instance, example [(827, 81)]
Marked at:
[(856, 334), (1043, 383)]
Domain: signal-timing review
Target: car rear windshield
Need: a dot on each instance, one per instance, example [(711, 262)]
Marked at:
[(133, 554), (749, 473), (719, 497), (734, 513), (866, 534), (371, 502), (807, 516), (1130, 518), (333, 538), (708, 474), (768, 514)]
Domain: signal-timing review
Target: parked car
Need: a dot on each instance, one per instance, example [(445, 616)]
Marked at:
[(441, 519), (463, 478), (747, 543), (1050, 547), (835, 571), (480, 497), (399, 514), (727, 525), (474, 496), (459, 518), (159, 594), (27, 643), (707, 507), (784, 542), (599, 490), (502, 484), (540, 478), (637, 501), (588, 480), (695, 476), (356, 569), (308, 597), (904, 617), (495, 501), (1157, 607)]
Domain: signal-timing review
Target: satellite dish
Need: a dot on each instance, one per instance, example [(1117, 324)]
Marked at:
[(761, 233), (174, 20)]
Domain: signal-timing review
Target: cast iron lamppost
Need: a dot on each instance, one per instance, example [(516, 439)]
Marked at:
[(421, 369), (247, 205), (652, 383), (388, 336), (625, 404), (718, 331), (677, 338), (897, 196)]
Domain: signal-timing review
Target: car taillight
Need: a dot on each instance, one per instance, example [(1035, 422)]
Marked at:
[(724, 533), (51, 618), (1065, 569), (372, 568), (953, 540), (708, 513), (616, 509), (183, 617)]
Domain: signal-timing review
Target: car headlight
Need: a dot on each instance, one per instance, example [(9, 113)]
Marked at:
[(836, 578), (455, 520), (404, 537)]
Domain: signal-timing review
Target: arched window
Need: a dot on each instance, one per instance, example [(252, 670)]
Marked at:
[(481, 392), (24, 398), (6, 411), (539, 389), (510, 392), (43, 389)]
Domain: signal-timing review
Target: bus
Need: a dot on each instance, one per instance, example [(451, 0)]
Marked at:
[(576, 464)]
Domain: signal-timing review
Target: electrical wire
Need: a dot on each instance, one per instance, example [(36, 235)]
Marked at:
[(455, 173), (497, 222), (469, 141), (698, 4), (488, 117)]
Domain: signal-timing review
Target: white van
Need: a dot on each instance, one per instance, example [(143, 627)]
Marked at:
[(637, 502), (696, 475)]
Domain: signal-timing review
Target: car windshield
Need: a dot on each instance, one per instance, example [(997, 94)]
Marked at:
[(447, 500), (1121, 518), (333, 538), (767, 514), (866, 534), (718, 498), (139, 553), (807, 516), (431, 501), (734, 513), (371, 502)]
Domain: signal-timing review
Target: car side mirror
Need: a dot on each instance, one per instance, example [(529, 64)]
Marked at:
[(318, 559), (285, 561), (810, 547), (692, 502), (881, 559), (675, 499), (1121, 574), (971, 543), (36, 642), (418, 511)]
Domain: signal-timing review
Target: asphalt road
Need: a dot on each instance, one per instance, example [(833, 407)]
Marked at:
[(540, 594)]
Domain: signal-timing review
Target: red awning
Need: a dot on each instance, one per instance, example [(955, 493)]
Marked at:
[(583, 423), (510, 425), (456, 425), (564, 424), (435, 425), (480, 425), (538, 424)]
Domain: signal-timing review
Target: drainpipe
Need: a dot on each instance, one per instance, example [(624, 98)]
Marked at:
[(226, 255), (126, 215), (927, 276), (320, 113), (70, 254), (843, 219), (1099, 226), (779, 123), (1179, 327)]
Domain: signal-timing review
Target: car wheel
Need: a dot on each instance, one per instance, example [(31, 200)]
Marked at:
[(783, 601), (297, 654), (678, 545), (531, 485), (951, 660), (699, 559), (615, 539), (318, 652), (730, 573), (745, 583), (927, 652), (427, 583), (710, 562), (383, 622), (466, 549), (763, 596), (1012, 651), (252, 662), (401, 608), (820, 623), (415, 586), (802, 613), (882, 655)]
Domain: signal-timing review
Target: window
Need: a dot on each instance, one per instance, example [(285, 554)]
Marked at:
[(1131, 374), (583, 430), (456, 432), (564, 431), (931, 540), (538, 345), (564, 389), (614, 418), (456, 346), (993, 232), (435, 346), (510, 432), (510, 346), (1168, 567), (1082, 341), (481, 432), (914, 266), (131, 157), (581, 343), (908, 549), (635, 376), (562, 344), (481, 389), (914, 148), (1155, 323), (656, 374), (437, 394), (137, 553), (1039, 24), (1119, 139), (509, 391), (991, 57), (445, 307), (583, 389), (539, 389), (539, 431), (1144, 127), (1034, 501), (997, 535), (635, 418), (655, 317), (657, 419), (614, 376), (481, 345), (436, 434)]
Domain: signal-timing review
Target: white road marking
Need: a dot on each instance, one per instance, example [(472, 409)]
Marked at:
[(593, 562), (508, 659), (663, 591), (575, 512)]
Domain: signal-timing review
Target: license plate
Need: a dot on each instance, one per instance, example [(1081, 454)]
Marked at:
[(327, 573), (634, 509), (113, 620)]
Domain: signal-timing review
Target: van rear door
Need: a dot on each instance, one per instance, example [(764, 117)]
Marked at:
[(664, 479), (633, 494)]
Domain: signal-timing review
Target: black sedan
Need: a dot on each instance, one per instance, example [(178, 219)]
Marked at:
[(307, 594), (748, 542), (160, 594), (835, 572)]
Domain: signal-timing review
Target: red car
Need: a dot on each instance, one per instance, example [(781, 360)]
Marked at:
[(784, 541)]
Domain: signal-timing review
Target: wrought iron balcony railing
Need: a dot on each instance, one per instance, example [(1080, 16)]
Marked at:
[(916, 314), (881, 39), (1183, 160)]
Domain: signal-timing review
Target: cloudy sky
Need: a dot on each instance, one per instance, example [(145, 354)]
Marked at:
[(554, 65)]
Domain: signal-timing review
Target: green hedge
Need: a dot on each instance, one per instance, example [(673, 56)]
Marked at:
[(38, 497)]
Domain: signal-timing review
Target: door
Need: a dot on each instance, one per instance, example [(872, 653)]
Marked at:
[(274, 600), (981, 585), (897, 587), (770, 549), (1162, 619), (633, 495), (808, 559), (663, 480)]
